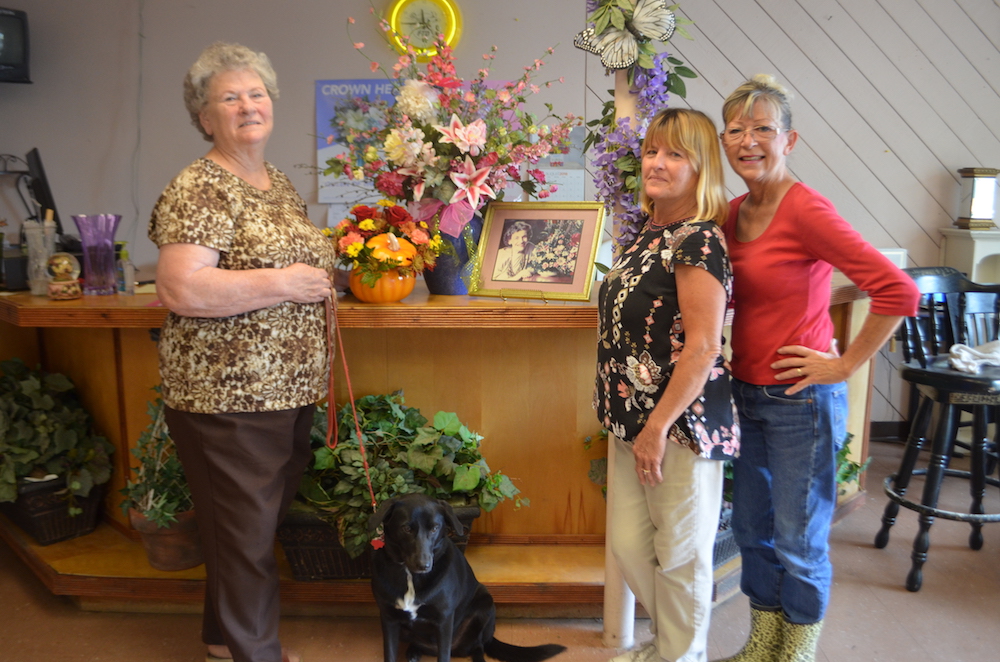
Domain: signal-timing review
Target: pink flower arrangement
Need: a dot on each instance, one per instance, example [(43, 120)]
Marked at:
[(445, 147)]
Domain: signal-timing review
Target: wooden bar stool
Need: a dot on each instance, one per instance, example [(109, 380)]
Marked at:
[(953, 310)]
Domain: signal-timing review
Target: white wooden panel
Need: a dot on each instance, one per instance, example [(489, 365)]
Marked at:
[(986, 16), (947, 59), (914, 64), (895, 108), (967, 38)]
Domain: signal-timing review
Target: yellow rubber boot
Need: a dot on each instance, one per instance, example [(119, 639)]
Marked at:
[(765, 640), (799, 642)]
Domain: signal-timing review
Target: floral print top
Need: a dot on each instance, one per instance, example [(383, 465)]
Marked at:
[(264, 360), (642, 335)]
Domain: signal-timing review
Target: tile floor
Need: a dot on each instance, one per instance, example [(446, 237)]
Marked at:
[(872, 617)]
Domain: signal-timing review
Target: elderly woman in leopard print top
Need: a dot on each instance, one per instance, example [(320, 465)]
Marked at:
[(245, 274)]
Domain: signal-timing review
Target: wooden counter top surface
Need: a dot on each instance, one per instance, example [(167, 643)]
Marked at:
[(419, 309)]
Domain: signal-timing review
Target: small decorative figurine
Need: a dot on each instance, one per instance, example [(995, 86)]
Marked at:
[(64, 270)]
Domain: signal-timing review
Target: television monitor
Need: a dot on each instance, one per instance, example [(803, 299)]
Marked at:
[(13, 46), (38, 184)]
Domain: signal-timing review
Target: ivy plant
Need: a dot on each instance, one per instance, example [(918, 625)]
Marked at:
[(160, 488), (44, 430), (406, 453)]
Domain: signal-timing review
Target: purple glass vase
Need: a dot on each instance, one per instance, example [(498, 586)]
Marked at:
[(97, 234)]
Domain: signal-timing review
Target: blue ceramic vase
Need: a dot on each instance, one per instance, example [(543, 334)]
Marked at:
[(446, 278)]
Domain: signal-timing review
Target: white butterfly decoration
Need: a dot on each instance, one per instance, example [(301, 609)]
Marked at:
[(619, 49)]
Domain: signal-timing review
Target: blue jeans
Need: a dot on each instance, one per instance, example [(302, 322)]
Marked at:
[(785, 492)]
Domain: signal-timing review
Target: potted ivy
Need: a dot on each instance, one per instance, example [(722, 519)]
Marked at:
[(158, 499), (406, 453), (53, 466)]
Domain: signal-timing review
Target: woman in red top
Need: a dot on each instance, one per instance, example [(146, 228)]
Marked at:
[(784, 241)]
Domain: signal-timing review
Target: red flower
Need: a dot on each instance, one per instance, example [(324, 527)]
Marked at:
[(390, 183), (397, 215), (488, 160), (363, 212)]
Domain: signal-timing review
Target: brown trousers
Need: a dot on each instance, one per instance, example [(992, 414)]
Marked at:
[(243, 469)]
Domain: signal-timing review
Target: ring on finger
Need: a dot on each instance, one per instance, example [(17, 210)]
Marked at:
[(800, 371)]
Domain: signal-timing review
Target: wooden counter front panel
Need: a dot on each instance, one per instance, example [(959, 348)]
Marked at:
[(19, 342), (528, 392)]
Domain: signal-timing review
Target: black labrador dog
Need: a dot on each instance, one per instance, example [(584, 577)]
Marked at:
[(426, 592)]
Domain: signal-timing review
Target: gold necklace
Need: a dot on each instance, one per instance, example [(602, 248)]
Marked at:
[(657, 226)]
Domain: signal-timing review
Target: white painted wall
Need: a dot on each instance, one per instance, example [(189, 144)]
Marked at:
[(892, 96)]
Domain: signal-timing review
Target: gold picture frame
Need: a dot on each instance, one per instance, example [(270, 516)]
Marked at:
[(538, 250)]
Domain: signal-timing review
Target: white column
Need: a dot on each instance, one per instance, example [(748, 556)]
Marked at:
[(619, 602)]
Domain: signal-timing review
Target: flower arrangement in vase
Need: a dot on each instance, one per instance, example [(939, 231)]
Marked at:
[(386, 249), (446, 146)]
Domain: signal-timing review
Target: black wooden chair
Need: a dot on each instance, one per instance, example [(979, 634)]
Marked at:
[(953, 310)]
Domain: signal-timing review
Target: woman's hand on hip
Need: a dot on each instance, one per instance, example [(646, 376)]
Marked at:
[(813, 367), (649, 447)]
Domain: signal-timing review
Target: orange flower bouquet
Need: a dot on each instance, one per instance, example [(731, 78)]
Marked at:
[(383, 239)]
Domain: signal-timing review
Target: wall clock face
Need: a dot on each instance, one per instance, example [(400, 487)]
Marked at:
[(421, 21)]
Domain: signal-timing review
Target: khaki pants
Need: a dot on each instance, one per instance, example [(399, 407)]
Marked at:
[(244, 470), (663, 537)]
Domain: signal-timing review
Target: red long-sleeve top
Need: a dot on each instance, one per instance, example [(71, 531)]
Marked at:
[(781, 285)]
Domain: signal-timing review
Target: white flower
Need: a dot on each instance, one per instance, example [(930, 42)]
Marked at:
[(418, 100), (404, 146)]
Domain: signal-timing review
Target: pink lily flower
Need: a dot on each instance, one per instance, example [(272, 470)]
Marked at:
[(469, 139), (471, 183)]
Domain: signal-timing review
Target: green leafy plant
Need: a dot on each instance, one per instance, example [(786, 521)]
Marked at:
[(44, 430), (160, 489), (598, 473), (848, 471), (406, 453)]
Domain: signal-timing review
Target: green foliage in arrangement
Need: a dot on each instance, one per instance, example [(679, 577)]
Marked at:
[(406, 453), (44, 430), (160, 489)]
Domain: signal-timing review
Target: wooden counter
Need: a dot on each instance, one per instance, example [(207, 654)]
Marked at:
[(519, 372)]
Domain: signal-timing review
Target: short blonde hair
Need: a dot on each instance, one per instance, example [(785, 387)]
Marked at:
[(764, 88), (216, 59), (692, 132)]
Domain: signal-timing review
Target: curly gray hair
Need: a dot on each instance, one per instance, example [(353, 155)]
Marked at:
[(215, 59)]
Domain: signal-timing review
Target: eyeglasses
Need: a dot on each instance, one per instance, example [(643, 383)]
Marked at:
[(760, 134)]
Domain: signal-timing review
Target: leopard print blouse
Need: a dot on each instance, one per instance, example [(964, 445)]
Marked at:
[(264, 360)]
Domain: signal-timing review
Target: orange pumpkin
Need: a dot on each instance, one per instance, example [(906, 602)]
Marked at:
[(390, 248), (390, 287)]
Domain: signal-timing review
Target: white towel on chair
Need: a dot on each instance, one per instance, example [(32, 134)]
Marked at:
[(972, 359)]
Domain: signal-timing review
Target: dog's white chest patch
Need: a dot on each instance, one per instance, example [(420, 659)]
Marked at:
[(408, 602)]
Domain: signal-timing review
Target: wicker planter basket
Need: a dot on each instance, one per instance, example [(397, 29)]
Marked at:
[(314, 552), (42, 511), (725, 548)]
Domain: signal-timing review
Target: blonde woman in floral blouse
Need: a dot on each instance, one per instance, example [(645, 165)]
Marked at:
[(663, 386), (242, 353)]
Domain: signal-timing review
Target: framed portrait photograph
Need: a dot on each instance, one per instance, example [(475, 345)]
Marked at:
[(538, 250)]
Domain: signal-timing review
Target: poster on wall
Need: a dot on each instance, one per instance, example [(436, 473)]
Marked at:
[(566, 170), (358, 104)]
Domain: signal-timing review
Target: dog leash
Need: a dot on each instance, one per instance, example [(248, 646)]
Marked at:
[(333, 329)]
